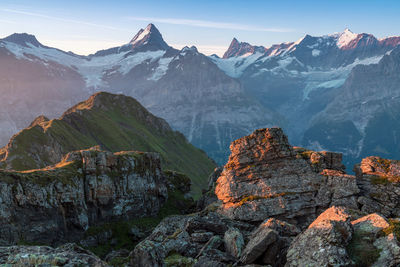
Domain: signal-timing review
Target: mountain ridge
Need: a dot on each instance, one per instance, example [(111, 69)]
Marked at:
[(115, 122)]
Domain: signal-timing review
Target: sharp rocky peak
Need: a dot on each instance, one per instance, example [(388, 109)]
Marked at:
[(237, 49), (23, 39), (149, 36)]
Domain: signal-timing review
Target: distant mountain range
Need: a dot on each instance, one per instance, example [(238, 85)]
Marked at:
[(334, 92)]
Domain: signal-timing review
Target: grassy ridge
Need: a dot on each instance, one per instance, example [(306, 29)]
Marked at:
[(116, 123)]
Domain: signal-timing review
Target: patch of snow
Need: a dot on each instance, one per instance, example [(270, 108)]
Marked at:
[(315, 52), (235, 66), (141, 36), (345, 38), (162, 68), (332, 84), (247, 54), (333, 78), (91, 69), (315, 45), (126, 64)]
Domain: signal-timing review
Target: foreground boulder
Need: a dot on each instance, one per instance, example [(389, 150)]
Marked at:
[(266, 177), (336, 238), (379, 182), (374, 242), (324, 242), (66, 255), (59, 203)]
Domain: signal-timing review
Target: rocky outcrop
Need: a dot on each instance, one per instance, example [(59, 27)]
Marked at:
[(87, 188), (267, 193), (324, 242), (373, 242), (339, 237), (65, 255), (208, 197), (266, 177), (204, 239), (378, 180)]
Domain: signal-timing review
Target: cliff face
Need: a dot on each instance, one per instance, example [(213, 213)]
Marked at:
[(265, 176), (88, 187)]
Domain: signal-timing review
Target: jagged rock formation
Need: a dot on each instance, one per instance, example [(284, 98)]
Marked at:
[(88, 187), (65, 255), (262, 230), (266, 177), (115, 122)]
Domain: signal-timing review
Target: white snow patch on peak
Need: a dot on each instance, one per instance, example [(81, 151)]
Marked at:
[(294, 45), (345, 38), (246, 55), (235, 66), (162, 68), (315, 52)]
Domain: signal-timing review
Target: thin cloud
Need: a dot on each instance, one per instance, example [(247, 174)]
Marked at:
[(32, 14), (7, 21), (210, 24)]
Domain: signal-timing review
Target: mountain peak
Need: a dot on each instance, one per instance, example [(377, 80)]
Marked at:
[(345, 38), (237, 49), (348, 31), (150, 36), (23, 39)]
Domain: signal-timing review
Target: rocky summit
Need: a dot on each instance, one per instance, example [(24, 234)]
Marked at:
[(265, 176)]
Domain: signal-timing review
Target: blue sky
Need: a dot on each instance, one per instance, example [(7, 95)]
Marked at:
[(87, 26)]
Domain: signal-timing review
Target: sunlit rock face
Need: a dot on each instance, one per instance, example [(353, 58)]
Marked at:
[(266, 177), (88, 187)]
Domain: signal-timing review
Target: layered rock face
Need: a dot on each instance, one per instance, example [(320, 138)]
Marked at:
[(266, 177), (88, 187)]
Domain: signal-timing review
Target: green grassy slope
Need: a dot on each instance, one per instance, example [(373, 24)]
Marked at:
[(116, 123)]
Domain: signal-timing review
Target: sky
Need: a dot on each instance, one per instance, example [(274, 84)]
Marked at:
[(85, 27)]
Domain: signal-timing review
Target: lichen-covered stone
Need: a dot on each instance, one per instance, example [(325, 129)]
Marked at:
[(324, 242), (66, 255), (234, 242)]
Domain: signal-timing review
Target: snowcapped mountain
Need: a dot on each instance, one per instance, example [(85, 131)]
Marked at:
[(300, 80), (211, 100), (242, 49), (363, 118), (184, 87)]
